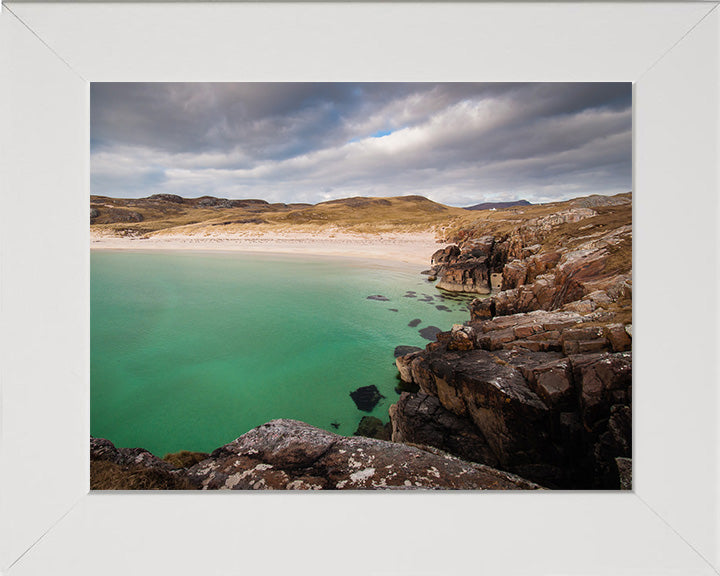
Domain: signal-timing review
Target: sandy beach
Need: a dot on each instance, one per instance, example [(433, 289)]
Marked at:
[(410, 248)]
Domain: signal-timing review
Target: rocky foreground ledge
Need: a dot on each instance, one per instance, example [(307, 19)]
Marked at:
[(292, 455)]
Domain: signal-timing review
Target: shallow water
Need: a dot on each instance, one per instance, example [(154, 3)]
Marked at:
[(190, 350)]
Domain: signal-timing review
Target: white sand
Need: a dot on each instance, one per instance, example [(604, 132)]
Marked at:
[(411, 248)]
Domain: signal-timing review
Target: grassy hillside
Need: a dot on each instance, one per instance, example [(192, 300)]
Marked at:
[(165, 214)]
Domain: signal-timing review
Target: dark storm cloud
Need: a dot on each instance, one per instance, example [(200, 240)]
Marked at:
[(456, 143)]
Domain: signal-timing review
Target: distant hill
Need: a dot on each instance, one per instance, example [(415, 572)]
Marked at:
[(170, 214), (498, 205), (595, 200)]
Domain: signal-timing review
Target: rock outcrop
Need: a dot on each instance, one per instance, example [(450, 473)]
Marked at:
[(516, 400), (549, 281), (464, 268), (539, 380), (292, 455), (421, 419), (565, 251)]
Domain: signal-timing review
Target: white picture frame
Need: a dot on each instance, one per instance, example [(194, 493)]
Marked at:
[(51, 524)]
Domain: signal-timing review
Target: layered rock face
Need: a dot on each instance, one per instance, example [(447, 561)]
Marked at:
[(559, 257), (465, 268), (292, 455), (578, 279), (539, 381), (560, 420)]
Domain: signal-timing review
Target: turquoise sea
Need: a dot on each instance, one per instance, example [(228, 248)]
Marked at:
[(189, 350)]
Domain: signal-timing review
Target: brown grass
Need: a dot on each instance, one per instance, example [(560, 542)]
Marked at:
[(184, 458), (106, 475)]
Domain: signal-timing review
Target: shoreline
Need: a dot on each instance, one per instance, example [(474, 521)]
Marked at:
[(409, 248)]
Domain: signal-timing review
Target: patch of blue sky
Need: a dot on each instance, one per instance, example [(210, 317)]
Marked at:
[(378, 134)]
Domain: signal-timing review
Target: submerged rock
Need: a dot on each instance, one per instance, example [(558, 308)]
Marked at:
[(429, 332), (414, 322), (371, 427), (379, 297), (366, 397)]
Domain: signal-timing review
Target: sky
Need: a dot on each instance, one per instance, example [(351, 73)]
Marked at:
[(459, 143)]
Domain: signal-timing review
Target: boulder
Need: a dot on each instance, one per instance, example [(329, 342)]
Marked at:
[(287, 454), (461, 338)]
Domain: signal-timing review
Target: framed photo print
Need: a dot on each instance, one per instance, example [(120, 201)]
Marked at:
[(319, 288)]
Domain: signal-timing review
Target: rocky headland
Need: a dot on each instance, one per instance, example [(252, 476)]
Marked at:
[(539, 380)]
